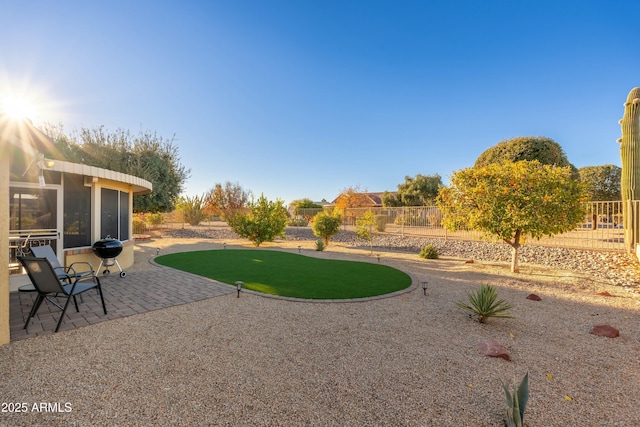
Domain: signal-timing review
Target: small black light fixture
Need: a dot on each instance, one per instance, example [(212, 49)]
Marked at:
[(239, 287), (299, 249), (424, 286), (157, 251), (378, 256), (224, 245)]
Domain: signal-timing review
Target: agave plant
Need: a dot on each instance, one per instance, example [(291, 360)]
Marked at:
[(320, 245), (484, 305), (516, 402)]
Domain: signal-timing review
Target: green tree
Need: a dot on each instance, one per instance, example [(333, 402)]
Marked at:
[(265, 221), (540, 148), (227, 199), (304, 204), (419, 191), (389, 200), (602, 182), (364, 227), (325, 224), (192, 209), (513, 200), (145, 155)]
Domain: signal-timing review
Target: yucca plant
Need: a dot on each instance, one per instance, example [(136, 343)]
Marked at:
[(320, 245), (484, 304), (516, 402)]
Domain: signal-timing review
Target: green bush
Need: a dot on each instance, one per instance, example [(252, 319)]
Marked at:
[(326, 224), (320, 245), (484, 304), (381, 222), (265, 221), (429, 252)]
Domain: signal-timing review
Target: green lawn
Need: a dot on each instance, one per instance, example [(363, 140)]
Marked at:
[(292, 275)]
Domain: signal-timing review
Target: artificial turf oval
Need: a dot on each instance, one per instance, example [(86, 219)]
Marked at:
[(289, 274)]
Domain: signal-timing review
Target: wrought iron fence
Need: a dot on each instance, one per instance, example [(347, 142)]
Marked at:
[(601, 228)]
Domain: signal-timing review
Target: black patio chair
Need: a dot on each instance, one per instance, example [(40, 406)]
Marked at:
[(64, 273), (47, 282)]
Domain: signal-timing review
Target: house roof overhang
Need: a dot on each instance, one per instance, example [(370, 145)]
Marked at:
[(139, 186)]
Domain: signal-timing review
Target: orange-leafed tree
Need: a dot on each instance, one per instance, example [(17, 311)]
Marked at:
[(513, 200)]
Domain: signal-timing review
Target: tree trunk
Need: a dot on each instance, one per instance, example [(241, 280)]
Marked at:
[(515, 250), (514, 258)]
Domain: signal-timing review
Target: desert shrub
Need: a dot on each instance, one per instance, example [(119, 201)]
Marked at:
[(484, 305), (381, 222), (320, 245), (298, 222), (139, 226), (516, 401), (429, 252), (155, 218)]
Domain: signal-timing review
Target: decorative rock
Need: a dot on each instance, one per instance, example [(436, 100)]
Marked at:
[(605, 331), (604, 294), (469, 261), (493, 348), (534, 297)]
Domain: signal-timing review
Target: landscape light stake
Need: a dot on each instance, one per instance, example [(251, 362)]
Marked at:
[(424, 287), (157, 251), (224, 245), (299, 250), (378, 255), (239, 287)]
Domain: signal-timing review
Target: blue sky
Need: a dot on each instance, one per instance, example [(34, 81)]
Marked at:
[(299, 99)]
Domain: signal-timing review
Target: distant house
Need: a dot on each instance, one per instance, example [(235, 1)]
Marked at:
[(360, 200)]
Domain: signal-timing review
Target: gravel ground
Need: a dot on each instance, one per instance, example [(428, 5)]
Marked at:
[(410, 360)]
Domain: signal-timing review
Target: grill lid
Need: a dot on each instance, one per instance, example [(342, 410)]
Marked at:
[(107, 247)]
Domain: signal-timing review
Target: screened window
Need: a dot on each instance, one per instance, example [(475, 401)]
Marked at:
[(77, 212), (114, 220), (32, 209)]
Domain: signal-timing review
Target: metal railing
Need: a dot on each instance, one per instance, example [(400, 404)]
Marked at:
[(21, 240)]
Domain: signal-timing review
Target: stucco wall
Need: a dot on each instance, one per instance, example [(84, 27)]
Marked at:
[(125, 259), (5, 333)]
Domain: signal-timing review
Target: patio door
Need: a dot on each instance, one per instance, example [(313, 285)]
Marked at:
[(35, 218)]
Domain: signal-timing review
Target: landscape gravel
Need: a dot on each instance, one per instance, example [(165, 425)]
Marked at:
[(407, 360)]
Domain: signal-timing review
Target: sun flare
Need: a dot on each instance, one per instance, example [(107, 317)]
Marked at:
[(17, 108)]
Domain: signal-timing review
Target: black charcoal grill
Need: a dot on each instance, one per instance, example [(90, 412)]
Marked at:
[(107, 250)]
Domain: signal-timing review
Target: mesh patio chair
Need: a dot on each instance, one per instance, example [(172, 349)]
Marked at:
[(47, 282), (64, 273)]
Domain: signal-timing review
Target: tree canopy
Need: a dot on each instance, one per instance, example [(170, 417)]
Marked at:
[(602, 182), (419, 191), (513, 200), (540, 148), (265, 221), (145, 155), (227, 199), (352, 197)]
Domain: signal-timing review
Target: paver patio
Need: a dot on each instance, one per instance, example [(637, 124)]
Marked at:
[(138, 292)]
